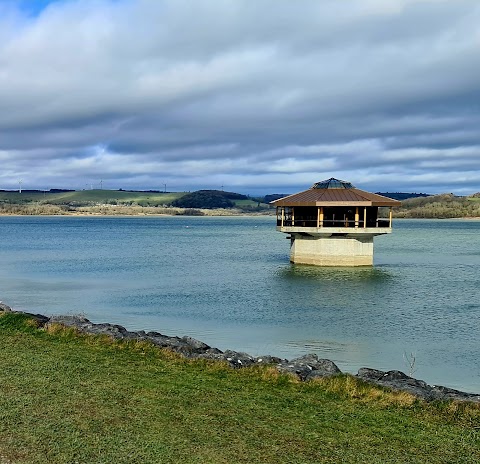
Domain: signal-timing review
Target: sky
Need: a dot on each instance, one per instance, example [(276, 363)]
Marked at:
[(256, 97)]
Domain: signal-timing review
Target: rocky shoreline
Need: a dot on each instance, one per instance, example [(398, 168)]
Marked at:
[(306, 367)]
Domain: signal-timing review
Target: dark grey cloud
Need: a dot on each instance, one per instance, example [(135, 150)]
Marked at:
[(266, 96)]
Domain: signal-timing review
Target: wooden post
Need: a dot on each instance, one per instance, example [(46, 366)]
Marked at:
[(318, 217), (283, 214), (321, 216), (391, 217), (357, 218), (365, 217), (293, 216)]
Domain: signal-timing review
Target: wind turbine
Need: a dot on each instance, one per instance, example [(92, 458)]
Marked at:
[(20, 186)]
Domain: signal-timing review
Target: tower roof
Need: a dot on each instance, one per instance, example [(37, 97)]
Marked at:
[(332, 183), (335, 192)]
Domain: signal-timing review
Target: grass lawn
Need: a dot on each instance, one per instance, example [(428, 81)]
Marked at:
[(67, 397)]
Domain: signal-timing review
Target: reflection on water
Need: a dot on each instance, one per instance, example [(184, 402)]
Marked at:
[(228, 281), (335, 274), (324, 346)]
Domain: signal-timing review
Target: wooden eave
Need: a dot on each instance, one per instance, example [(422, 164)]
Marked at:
[(327, 204), (335, 197)]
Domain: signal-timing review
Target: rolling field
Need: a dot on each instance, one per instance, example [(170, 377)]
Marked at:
[(91, 197)]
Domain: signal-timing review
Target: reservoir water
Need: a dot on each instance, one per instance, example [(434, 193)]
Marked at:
[(228, 282)]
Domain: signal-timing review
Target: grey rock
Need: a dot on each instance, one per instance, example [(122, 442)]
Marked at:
[(40, 319), (69, 320), (154, 334), (114, 330), (185, 350), (164, 341), (267, 359), (326, 367), (394, 375), (238, 359), (415, 387), (213, 354), (195, 344), (305, 365), (397, 380), (366, 373), (445, 393), (5, 308), (213, 351)]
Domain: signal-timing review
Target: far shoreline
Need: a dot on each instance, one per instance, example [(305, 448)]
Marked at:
[(112, 215), (206, 213)]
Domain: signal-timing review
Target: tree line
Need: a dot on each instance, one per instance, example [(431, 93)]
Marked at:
[(442, 206)]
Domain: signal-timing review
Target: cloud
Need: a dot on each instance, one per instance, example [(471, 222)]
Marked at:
[(256, 96)]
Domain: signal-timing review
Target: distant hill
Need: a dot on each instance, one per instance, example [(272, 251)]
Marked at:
[(402, 195), (208, 199), (274, 196), (75, 198), (63, 201), (38, 191)]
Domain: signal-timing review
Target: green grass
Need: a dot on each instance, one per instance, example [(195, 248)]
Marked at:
[(68, 398), (92, 196), (247, 203), (252, 205)]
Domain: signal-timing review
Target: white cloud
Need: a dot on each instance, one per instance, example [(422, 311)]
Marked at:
[(266, 95)]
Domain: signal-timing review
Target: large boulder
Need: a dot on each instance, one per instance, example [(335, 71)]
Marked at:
[(70, 321), (5, 308), (238, 359), (268, 359), (309, 366), (397, 380)]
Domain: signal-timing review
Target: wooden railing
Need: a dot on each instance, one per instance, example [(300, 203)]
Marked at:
[(349, 223)]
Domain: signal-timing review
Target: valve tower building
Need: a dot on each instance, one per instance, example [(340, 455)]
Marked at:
[(333, 223)]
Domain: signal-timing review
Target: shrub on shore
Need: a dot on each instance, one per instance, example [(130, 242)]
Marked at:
[(32, 209), (439, 207)]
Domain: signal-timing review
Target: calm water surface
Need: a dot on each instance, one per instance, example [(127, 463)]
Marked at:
[(228, 282)]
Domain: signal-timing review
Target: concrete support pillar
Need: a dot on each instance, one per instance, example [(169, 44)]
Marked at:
[(332, 251), (357, 218)]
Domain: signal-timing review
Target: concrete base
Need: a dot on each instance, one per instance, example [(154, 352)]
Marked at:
[(332, 251)]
